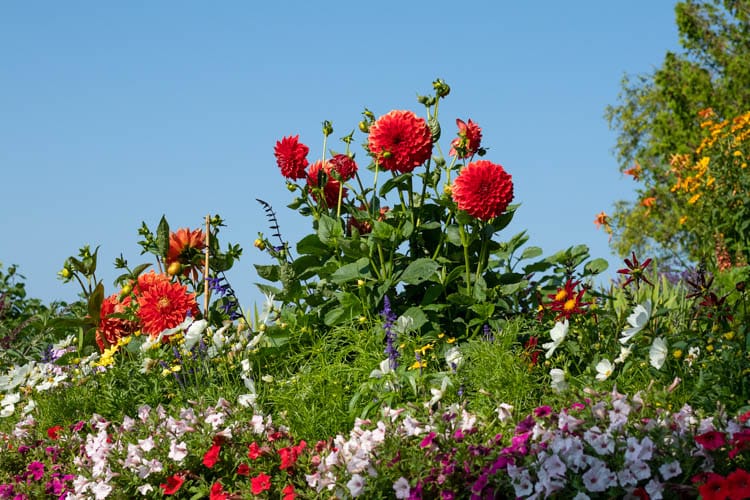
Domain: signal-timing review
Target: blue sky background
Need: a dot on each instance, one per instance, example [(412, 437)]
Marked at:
[(113, 113)]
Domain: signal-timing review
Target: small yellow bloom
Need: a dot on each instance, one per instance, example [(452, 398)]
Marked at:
[(694, 198), (418, 365), (441, 335), (451, 340), (729, 335), (683, 219), (710, 347), (422, 350), (677, 353)]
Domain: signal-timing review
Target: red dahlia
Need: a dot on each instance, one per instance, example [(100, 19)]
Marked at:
[(291, 156), (468, 140), (483, 189), (163, 304), (345, 166), (112, 329), (186, 247), (317, 172), (400, 141)]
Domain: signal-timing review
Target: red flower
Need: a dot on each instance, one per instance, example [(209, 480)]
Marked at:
[(400, 141), (739, 484), (468, 140), (711, 440), (113, 329), (260, 483), (318, 172), (185, 248), (288, 492), (212, 456), (54, 432), (254, 451), (163, 304), (567, 302), (173, 484), (291, 157), (364, 226), (345, 166), (483, 189), (715, 488), (217, 492), (635, 271), (243, 470)]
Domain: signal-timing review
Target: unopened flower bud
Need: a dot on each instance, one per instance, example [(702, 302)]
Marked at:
[(126, 290), (364, 127), (174, 268), (259, 244), (291, 186), (442, 89), (360, 283), (448, 189), (65, 273), (327, 128), (362, 320), (262, 327)]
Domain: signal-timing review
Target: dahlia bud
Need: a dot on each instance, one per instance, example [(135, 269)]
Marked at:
[(291, 186), (362, 320), (368, 114), (360, 283), (442, 89), (426, 100), (327, 128), (126, 290), (65, 273), (259, 244), (364, 127), (448, 189), (174, 268)]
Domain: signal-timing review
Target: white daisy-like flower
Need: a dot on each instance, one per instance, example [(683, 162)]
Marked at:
[(558, 379), (637, 320), (657, 353), (558, 333), (604, 369)]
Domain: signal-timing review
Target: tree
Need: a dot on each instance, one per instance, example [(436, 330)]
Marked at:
[(659, 116)]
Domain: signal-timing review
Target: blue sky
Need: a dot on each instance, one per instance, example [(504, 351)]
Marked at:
[(117, 113)]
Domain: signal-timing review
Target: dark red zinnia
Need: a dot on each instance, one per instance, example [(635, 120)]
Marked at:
[(318, 172), (468, 140), (400, 141), (483, 189), (291, 157)]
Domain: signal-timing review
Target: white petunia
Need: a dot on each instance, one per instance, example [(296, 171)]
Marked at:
[(657, 353), (604, 369), (401, 487), (356, 485), (194, 333), (558, 379), (637, 320), (558, 333)]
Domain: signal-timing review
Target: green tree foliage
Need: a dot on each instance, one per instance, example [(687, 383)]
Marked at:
[(660, 114)]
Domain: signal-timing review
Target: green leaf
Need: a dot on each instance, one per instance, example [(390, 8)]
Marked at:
[(382, 231), (311, 245), (531, 252), (417, 315), (95, 303), (162, 237), (484, 310), (418, 271), (268, 272), (354, 270), (596, 266), (329, 231)]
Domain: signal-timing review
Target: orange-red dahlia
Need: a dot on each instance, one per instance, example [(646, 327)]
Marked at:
[(291, 157), (468, 140), (185, 248), (163, 304), (483, 189), (113, 329), (317, 171), (344, 165), (400, 141)]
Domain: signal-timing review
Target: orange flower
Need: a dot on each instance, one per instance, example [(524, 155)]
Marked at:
[(602, 219), (648, 202), (163, 304), (634, 171), (113, 329), (185, 248)]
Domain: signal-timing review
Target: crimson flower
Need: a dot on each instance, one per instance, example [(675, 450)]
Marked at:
[(54, 432), (320, 172), (290, 454), (716, 487), (260, 483), (739, 484), (400, 141), (566, 301), (468, 140), (344, 165), (173, 484), (711, 440), (483, 190), (288, 492), (217, 492), (635, 271), (243, 470), (291, 157), (254, 451), (212, 456), (163, 304)]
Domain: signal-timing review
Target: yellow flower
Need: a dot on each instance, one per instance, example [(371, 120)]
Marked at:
[(710, 347), (451, 340), (694, 198), (418, 365), (441, 335), (422, 350), (683, 219), (729, 335), (677, 353)]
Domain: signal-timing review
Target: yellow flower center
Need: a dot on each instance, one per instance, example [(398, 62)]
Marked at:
[(163, 303), (561, 295), (569, 305)]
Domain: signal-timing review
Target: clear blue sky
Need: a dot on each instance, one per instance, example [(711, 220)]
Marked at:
[(113, 113)]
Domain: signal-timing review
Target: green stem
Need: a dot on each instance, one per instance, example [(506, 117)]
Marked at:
[(465, 244)]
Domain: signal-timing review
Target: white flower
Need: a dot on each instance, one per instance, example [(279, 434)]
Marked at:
[(437, 394), (558, 379), (356, 485), (637, 321), (625, 351), (504, 412), (670, 470), (658, 353), (194, 333), (454, 358), (558, 333), (401, 487), (177, 451), (604, 369), (403, 324), (247, 400), (385, 368), (693, 354)]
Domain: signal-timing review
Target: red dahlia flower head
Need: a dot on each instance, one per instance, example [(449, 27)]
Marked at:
[(184, 245), (344, 165), (111, 329), (483, 189), (291, 157), (163, 304), (400, 141), (468, 140), (317, 172)]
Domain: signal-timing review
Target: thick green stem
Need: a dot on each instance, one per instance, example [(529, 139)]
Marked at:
[(465, 244)]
